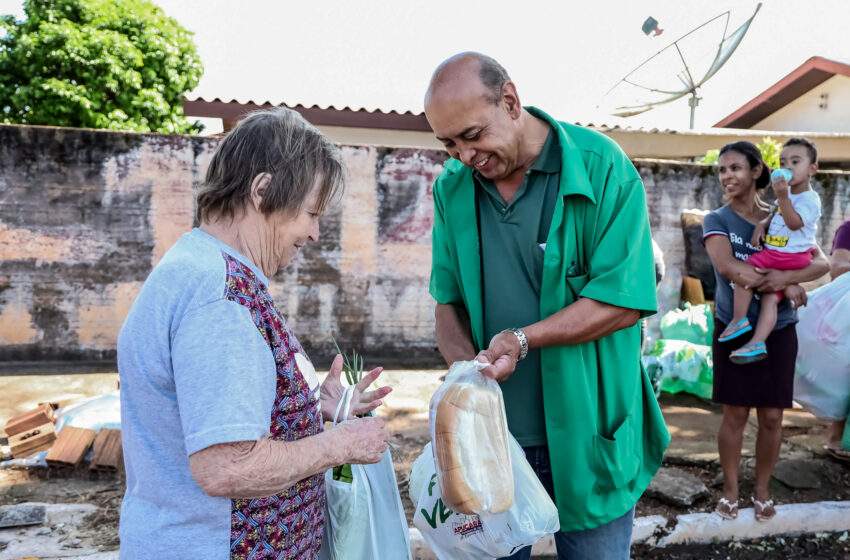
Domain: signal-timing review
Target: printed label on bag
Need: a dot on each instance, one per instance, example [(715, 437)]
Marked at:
[(470, 525), (439, 512), (463, 527)]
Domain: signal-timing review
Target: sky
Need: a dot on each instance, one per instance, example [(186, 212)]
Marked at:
[(563, 55)]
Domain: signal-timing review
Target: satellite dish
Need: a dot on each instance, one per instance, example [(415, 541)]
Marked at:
[(678, 69)]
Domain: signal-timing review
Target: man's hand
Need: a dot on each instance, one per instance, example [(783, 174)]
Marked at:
[(502, 354), (797, 294), (361, 402)]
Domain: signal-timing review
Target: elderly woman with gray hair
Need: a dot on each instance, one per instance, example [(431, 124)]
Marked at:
[(222, 412)]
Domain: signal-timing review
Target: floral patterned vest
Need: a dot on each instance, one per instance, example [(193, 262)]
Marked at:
[(287, 525)]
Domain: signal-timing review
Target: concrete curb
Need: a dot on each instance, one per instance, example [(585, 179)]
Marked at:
[(645, 528), (703, 528), (697, 528), (791, 519)]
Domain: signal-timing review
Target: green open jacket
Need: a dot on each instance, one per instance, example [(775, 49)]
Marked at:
[(605, 431)]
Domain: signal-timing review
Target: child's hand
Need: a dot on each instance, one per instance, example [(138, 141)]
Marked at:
[(780, 187), (758, 235)]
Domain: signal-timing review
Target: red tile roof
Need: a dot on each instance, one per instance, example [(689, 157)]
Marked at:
[(807, 76)]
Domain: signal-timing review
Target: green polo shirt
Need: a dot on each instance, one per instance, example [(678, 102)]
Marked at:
[(604, 429), (513, 238)]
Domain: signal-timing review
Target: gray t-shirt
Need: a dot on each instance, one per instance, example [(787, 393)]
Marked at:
[(724, 221), (195, 372)]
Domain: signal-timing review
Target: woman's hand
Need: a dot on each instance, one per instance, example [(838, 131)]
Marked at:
[(797, 294), (361, 402), (772, 280), (365, 439), (749, 277)]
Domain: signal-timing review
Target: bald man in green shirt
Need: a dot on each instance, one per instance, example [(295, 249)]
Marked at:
[(542, 266)]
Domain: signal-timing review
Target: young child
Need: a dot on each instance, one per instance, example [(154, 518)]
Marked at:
[(788, 237)]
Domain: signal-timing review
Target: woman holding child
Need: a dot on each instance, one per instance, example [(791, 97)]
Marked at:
[(767, 382)]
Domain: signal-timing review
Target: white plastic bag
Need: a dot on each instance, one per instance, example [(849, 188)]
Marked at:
[(822, 376), (469, 440), (364, 518), (457, 536), (93, 413)]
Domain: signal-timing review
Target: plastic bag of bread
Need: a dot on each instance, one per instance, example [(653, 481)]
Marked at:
[(469, 437), (457, 536)]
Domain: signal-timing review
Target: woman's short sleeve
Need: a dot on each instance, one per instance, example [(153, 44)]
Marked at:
[(713, 224), (224, 376)]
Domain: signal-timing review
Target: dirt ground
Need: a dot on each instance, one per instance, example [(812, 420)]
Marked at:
[(692, 423), (407, 420), (79, 486), (410, 434)]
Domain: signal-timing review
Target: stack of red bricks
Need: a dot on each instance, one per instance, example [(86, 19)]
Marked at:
[(34, 431)]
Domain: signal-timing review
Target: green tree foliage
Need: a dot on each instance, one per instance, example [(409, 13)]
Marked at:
[(711, 157), (768, 147), (114, 64)]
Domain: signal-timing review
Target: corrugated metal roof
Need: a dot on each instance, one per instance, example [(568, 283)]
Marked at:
[(269, 103), (409, 120), (367, 118)]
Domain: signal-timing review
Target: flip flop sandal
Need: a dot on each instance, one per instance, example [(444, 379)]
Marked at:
[(727, 509), (839, 454), (738, 329), (759, 509), (749, 353)]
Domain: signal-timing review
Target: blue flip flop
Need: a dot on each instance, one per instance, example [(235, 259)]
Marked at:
[(749, 353), (741, 327)]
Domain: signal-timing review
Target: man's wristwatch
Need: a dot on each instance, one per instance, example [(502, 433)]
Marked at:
[(523, 342)]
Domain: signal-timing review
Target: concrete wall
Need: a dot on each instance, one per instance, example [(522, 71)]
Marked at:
[(84, 215)]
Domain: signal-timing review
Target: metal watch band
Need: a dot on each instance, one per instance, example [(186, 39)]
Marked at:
[(523, 342)]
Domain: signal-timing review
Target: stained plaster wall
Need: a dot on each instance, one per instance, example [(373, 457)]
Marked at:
[(85, 215)]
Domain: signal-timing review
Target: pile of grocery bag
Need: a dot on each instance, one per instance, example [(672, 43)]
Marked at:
[(681, 359)]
